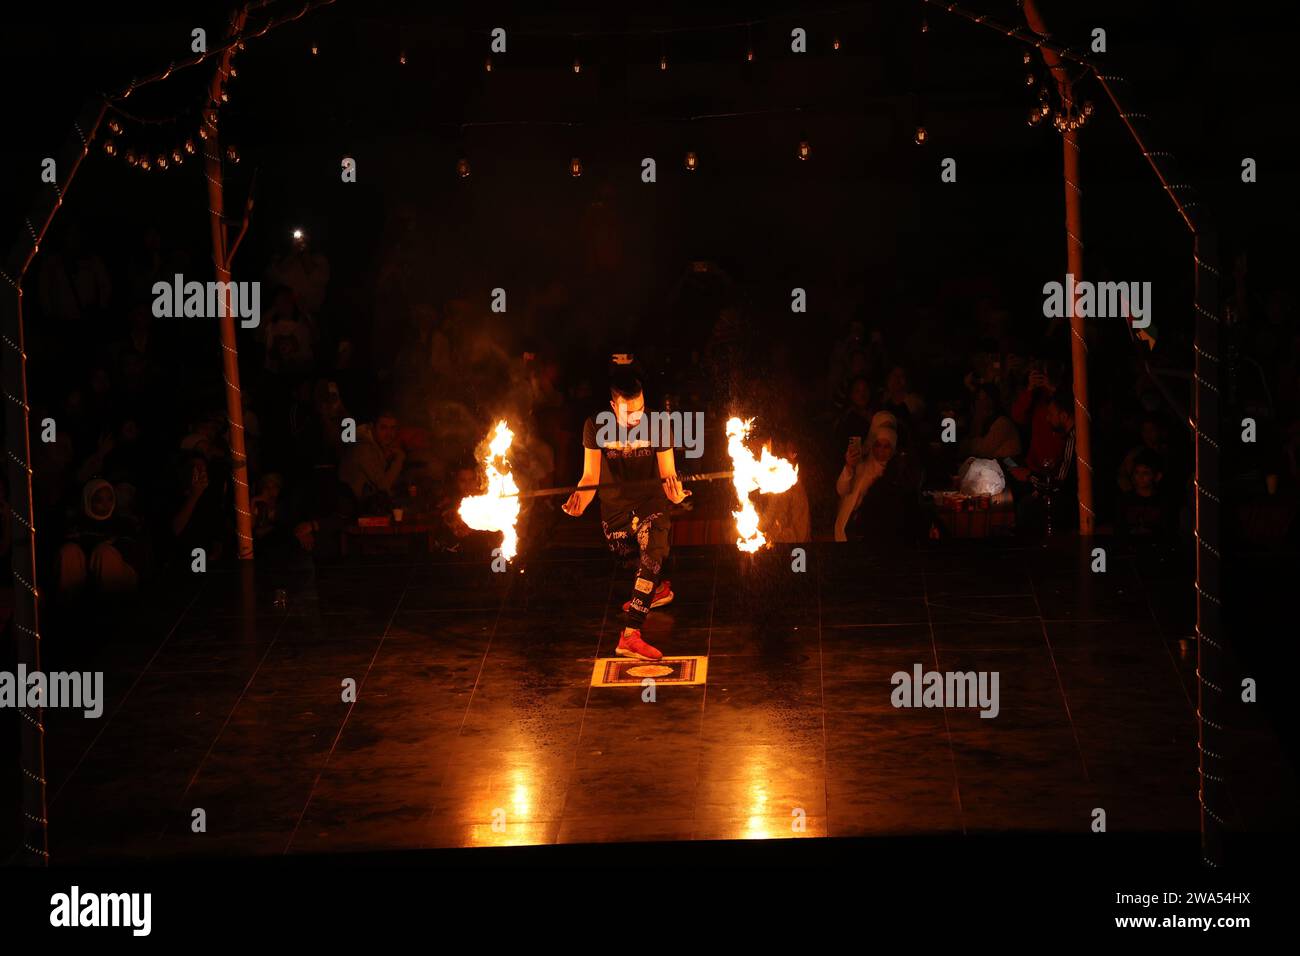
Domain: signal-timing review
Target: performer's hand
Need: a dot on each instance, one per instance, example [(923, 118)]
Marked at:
[(674, 490), (576, 504)]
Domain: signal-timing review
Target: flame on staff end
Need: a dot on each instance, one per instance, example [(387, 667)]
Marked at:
[(494, 511), (768, 474)]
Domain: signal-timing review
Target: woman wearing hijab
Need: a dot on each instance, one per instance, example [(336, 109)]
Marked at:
[(91, 554), (876, 489)]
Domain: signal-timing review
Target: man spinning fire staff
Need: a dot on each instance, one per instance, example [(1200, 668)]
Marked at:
[(634, 506)]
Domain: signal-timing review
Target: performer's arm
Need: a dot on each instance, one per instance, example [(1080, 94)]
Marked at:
[(579, 500), (668, 471)]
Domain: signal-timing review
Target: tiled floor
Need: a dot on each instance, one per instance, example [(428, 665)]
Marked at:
[(475, 722)]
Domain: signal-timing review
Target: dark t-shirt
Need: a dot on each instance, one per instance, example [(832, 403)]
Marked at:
[(629, 474)]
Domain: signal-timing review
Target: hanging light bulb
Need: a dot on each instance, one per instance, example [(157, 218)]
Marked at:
[(1035, 117), (161, 161), (130, 157), (203, 132), (1026, 58), (314, 49), (575, 167), (691, 162), (178, 157), (1043, 95), (232, 154), (241, 45), (835, 43), (1087, 108), (663, 62), (225, 97), (805, 150), (189, 146), (1044, 109), (925, 26), (233, 71), (1029, 79), (401, 58), (462, 168), (577, 65), (110, 147), (749, 55), (487, 64), (114, 126), (920, 136), (144, 163)]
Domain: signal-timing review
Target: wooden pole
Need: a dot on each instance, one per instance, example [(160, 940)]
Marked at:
[(26, 614), (1074, 260), (222, 253)]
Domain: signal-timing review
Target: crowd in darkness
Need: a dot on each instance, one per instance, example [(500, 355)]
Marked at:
[(131, 443)]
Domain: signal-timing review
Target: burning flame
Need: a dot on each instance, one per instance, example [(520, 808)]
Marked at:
[(768, 474), (498, 509)]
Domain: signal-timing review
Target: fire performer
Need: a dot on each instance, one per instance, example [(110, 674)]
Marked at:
[(634, 506)]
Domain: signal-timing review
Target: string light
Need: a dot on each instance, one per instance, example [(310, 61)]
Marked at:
[(805, 150), (161, 161), (920, 136), (749, 55), (575, 167), (110, 148), (462, 168), (189, 146), (1025, 58), (401, 58), (691, 162), (232, 154), (178, 157), (487, 65), (835, 43), (314, 49), (577, 65), (663, 62)]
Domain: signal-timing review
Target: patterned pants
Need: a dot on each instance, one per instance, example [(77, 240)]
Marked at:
[(627, 533)]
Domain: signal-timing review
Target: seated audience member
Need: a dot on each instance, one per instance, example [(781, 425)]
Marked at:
[(877, 488), (462, 482), (1146, 510), (785, 518), (906, 406), (993, 433), (266, 505), (1030, 410), (1152, 440), (96, 549), (855, 420), (1047, 489), (198, 519), (373, 463)]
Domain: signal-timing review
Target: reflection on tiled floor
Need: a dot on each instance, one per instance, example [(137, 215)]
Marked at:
[(475, 722)]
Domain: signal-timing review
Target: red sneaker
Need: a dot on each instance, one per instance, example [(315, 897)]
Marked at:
[(663, 595), (631, 645)]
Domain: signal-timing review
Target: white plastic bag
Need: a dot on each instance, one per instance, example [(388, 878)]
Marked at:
[(981, 476)]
